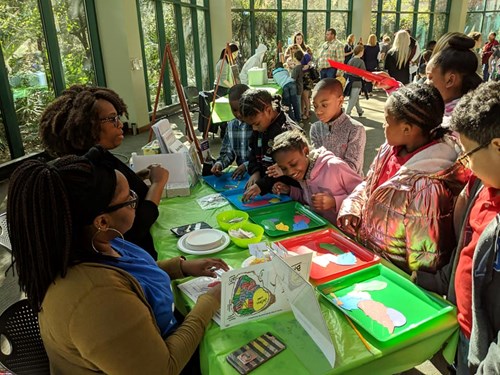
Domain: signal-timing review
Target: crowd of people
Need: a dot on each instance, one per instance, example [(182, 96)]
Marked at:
[(79, 224)]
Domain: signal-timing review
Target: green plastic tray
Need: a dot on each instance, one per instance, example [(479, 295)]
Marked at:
[(289, 214), (418, 306)]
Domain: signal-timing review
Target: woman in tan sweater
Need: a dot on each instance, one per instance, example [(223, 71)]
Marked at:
[(105, 306)]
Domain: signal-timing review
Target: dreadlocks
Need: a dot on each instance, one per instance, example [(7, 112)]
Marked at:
[(70, 124)]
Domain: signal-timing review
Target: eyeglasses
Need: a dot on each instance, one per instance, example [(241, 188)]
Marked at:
[(112, 119), (132, 202), (465, 158)]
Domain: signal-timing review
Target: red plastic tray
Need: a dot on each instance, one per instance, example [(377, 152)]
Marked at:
[(311, 241)]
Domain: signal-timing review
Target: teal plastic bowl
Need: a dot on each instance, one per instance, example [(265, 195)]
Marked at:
[(249, 227), (224, 217)]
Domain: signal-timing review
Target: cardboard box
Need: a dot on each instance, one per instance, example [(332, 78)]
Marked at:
[(178, 184)]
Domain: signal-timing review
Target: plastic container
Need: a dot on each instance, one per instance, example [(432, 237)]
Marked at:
[(234, 197), (244, 242), (224, 217), (314, 241), (286, 219), (420, 308)]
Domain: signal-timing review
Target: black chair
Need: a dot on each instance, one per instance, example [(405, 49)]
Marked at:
[(191, 95), (25, 351)]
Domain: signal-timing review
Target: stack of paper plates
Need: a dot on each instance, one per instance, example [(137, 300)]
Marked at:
[(203, 241)]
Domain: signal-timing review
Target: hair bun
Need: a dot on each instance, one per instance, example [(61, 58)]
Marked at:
[(461, 42)]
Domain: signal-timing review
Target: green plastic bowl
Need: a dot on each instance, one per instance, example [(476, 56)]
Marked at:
[(250, 227), (224, 217)]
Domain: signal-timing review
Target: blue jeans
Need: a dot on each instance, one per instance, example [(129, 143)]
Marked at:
[(461, 362), (328, 73), (291, 100), (486, 74), (354, 101)]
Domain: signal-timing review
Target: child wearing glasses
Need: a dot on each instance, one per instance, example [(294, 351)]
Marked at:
[(85, 116), (472, 278), (403, 210), (103, 304)]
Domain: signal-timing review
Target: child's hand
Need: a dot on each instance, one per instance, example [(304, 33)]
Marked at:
[(252, 180), (323, 202), (274, 171), (217, 169), (281, 188), (348, 223), (251, 193), (239, 172), (203, 267)]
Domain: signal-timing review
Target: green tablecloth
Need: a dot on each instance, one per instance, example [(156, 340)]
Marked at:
[(222, 111), (301, 356)]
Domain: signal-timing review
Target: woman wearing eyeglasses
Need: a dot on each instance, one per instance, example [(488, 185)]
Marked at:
[(104, 305), (86, 116)]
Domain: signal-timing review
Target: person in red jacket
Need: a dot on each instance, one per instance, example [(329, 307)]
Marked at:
[(487, 51)]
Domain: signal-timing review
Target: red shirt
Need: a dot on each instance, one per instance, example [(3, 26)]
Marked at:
[(394, 162), (486, 207)]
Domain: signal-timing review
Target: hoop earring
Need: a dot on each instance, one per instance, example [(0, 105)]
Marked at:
[(100, 230)]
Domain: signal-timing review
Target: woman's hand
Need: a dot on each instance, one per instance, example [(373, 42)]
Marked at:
[(281, 188), (215, 290), (203, 267), (158, 174), (323, 202), (251, 193), (217, 169), (274, 171), (349, 224)]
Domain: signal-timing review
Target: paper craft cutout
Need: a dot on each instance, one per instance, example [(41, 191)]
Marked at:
[(370, 285), (346, 259), (378, 312), (249, 297), (298, 218), (300, 225), (269, 224), (283, 227), (347, 302), (274, 200), (257, 202), (398, 319)]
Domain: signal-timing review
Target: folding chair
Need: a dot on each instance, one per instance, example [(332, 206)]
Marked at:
[(20, 332), (4, 232)]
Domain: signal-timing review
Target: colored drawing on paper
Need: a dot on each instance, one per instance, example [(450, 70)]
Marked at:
[(259, 201), (249, 297), (283, 227)]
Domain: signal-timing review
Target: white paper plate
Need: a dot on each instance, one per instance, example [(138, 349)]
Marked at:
[(185, 248), (204, 239)]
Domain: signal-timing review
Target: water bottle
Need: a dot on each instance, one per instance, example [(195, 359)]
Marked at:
[(132, 160)]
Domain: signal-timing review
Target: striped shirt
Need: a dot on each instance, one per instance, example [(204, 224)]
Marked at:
[(343, 136), (235, 144)]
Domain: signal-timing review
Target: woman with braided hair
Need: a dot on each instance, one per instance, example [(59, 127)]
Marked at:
[(104, 305), (403, 210), (85, 116)]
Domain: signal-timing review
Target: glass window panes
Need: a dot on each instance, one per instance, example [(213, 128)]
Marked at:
[(424, 6), (422, 31), (473, 22), (407, 5), (241, 33), (388, 24), (151, 48), (441, 5), (239, 4), (316, 26), (265, 32), (187, 26), (25, 55), (439, 26), (292, 4), (74, 43), (475, 5), (292, 22), (4, 146), (340, 4), (373, 28), (316, 5), (493, 5), (406, 21), (171, 38), (338, 21), (200, 3), (206, 85), (491, 23), (265, 4)]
